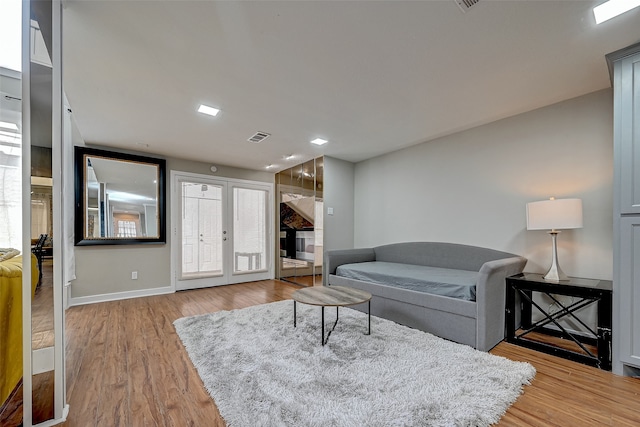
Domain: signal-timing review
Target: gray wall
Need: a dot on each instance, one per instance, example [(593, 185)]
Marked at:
[(338, 193), (107, 269), (472, 187)]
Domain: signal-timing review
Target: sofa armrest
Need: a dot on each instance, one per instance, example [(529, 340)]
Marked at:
[(334, 259), (491, 297)]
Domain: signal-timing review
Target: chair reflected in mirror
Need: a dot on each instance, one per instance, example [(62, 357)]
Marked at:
[(38, 251)]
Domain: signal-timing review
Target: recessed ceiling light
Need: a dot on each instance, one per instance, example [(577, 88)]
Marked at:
[(319, 141), (205, 109), (289, 157), (613, 8), (7, 125), (269, 166)]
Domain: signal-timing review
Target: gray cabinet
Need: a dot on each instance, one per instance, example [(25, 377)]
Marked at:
[(629, 290), (625, 65), (627, 117)]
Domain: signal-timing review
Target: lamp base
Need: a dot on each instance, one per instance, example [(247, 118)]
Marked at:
[(555, 273)]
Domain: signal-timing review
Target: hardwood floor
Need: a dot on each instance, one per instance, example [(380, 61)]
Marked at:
[(126, 366), (42, 331)]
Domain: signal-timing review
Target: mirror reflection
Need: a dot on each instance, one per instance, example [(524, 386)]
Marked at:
[(120, 199), (300, 218)]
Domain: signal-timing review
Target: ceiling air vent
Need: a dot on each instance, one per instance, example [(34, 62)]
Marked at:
[(465, 5), (259, 137)]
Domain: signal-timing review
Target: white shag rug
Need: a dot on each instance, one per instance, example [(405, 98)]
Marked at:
[(261, 371)]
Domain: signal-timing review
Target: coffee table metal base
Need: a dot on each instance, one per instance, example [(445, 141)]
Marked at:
[(323, 339)]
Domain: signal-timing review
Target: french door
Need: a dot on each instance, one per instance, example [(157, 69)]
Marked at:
[(221, 231)]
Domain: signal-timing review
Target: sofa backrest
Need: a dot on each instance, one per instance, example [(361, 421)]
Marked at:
[(436, 254)]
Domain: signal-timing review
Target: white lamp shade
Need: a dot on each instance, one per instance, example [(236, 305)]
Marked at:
[(554, 214)]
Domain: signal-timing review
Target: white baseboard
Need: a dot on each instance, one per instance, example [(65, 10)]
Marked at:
[(54, 422), (92, 299), (42, 360)]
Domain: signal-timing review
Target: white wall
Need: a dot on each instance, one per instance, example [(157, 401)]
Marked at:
[(103, 270), (472, 187), (338, 194)]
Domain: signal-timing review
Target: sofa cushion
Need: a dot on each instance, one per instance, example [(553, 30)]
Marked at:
[(437, 254), (433, 280)]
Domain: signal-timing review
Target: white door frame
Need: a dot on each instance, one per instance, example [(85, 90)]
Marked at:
[(176, 240)]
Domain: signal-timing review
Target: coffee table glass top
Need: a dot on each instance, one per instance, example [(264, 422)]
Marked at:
[(331, 296)]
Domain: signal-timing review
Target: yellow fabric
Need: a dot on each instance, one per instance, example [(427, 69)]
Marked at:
[(11, 321)]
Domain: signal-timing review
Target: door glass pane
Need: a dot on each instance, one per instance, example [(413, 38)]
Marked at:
[(201, 230), (249, 229)]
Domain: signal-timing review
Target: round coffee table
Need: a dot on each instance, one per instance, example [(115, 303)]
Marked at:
[(330, 296)]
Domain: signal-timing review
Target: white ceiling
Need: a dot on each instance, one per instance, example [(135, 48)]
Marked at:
[(369, 76)]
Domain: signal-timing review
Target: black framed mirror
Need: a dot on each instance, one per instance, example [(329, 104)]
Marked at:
[(119, 198)]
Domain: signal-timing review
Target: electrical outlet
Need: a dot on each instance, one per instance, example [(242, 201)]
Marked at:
[(134, 275)]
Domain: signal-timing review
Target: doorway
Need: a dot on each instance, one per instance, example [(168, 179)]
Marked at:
[(222, 231)]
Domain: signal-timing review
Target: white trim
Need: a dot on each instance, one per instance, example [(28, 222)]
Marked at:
[(43, 360), (27, 385), (172, 224), (93, 299), (8, 72), (66, 296), (48, 423), (57, 140)]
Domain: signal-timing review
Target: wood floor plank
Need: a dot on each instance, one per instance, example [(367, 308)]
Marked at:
[(174, 374), (90, 376), (113, 407), (143, 399), (76, 332), (43, 395)]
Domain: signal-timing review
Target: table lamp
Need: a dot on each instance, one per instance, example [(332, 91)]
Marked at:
[(554, 215)]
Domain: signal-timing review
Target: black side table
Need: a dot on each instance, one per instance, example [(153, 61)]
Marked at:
[(586, 292)]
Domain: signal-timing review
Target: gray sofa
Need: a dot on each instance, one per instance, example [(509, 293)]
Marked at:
[(429, 273)]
